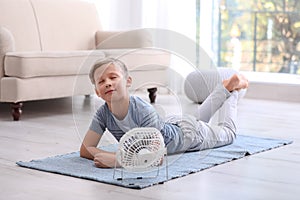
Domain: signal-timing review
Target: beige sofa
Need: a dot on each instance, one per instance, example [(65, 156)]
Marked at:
[(48, 46)]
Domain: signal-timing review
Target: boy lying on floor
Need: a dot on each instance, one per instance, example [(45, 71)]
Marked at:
[(122, 112)]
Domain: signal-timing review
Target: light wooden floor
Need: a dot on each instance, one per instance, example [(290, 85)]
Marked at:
[(56, 127)]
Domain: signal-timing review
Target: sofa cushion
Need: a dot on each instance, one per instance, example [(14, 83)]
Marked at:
[(51, 63), (145, 59), (18, 89), (137, 38), (156, 78)]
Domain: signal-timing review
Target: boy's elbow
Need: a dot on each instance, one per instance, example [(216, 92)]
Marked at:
[(83, 152)]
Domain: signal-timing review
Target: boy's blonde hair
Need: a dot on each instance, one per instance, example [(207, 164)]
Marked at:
[(108, 61)]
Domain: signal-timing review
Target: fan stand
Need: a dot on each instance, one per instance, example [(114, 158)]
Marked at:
[(145, 170)]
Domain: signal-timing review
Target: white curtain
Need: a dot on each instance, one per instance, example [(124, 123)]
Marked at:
[(119, 14), (175, 15)]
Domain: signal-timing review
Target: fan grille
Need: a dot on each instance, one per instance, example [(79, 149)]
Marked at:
[(141, 148)]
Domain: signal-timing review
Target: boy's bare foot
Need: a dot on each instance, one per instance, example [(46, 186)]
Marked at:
[(236, 82)]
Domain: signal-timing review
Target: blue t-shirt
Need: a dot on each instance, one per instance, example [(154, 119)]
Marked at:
[(140, 114)]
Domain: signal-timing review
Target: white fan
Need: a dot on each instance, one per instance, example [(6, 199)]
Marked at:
[(141, 149)]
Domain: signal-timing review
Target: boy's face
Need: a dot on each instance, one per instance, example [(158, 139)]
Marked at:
[(110, 83)]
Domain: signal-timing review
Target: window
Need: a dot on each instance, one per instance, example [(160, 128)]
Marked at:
[(260, 35)]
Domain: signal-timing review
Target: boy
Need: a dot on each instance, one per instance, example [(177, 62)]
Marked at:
[(122, 112)]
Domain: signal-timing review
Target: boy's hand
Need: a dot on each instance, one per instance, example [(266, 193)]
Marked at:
[(105, 159)]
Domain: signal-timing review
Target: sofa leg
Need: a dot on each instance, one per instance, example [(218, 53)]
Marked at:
[(16, 110), (152, 94)]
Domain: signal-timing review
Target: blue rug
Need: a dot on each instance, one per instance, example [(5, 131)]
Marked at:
[(178, 165)]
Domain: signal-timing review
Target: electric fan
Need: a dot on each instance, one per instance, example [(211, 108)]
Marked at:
[(141, 149)]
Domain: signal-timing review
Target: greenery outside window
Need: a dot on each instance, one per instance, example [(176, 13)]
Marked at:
[(260, 35)]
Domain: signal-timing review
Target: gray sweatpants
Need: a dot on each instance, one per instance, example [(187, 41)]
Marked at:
[(198, 133)]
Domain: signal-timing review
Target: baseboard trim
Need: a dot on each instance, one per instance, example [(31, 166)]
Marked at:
[(273, 86)]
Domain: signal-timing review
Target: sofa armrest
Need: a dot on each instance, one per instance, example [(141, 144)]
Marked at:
[(7, 44), (138, 38)]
